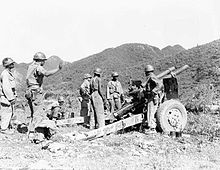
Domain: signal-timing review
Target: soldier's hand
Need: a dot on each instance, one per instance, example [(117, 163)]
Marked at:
[(60, 65)]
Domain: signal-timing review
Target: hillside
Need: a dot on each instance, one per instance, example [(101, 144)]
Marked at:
[(172, 50), (204, 69), (130, 59)]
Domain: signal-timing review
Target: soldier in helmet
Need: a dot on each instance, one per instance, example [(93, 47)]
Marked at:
[(152, 89), (97, 118), (57, 110), (114, 93), (34, 80), (84, 99), (7, 94)]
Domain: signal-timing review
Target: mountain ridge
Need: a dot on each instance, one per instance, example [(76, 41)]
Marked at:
[(129, 61)]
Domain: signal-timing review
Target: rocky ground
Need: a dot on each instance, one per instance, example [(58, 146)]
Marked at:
[(198, 148), (130, 150)]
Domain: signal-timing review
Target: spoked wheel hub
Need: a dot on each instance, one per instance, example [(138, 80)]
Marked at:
[(174, 118), (171, 116)]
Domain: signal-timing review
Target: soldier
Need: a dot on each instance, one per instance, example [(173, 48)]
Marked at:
[(85, 98), (152, 90), (97, 118), (114, 93), (57, 110), (7, 94), (34, 80)]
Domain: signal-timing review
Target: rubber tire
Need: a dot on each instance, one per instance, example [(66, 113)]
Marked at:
[(162, 112)]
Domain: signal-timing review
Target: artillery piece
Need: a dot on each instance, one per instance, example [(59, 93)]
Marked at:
[(171, 115)]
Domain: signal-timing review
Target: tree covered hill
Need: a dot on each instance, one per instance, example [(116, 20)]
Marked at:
[(129, 61), (172, 50), (204, 61)]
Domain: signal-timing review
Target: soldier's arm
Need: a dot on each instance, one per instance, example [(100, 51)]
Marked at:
[(158, 86), (100, 88), (47, 73), (120, 88), (6, 87), (143, 85), (84, 89)]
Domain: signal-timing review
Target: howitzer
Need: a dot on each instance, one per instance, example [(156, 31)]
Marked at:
[(136, 105), (171, 115)]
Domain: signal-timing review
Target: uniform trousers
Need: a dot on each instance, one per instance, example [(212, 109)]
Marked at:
[(97, 118)]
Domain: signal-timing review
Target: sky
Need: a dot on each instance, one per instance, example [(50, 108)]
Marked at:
[(75, 29)]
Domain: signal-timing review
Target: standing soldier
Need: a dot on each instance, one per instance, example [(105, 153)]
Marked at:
[(97, 116), (114, 93), (34, 80), (7, 94), (152, 90), (85, 98)]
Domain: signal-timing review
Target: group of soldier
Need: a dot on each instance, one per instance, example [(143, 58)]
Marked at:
[(92, 98), (91, 94), (34, 92)]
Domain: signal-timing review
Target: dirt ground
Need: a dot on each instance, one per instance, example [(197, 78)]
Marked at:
[(132, 150), (128, 150)]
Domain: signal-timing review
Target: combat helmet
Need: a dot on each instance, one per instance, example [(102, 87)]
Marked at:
[(7, 61), (115, 74), (39, 56), (61, 99), (149, 68), (97, 71), (86, 76)]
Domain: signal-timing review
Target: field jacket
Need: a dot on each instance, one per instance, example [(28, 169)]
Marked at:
[(114, 89), (7, 88)]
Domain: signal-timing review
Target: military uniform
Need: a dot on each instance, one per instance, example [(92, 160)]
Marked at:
[(114, 92), (97, 116), (7, 93), (56, 111), (152, 91), (34, 80), (85, 103)]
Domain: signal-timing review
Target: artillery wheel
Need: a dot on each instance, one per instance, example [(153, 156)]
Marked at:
[(171, 116)]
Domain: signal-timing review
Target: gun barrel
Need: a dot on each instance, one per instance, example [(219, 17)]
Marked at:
[(165, 72), (178, 71), (123, 110)]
